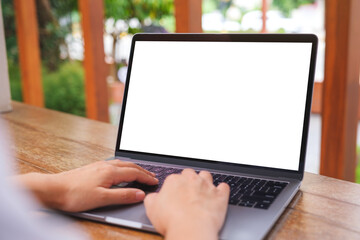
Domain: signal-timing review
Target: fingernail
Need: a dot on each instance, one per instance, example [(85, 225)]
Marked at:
[(153, 174), (140, 195), (157, 180)]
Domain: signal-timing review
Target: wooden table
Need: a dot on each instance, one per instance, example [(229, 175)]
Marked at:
[(50, 141)]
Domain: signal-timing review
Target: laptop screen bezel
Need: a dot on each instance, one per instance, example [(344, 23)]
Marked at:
[(209, 164)]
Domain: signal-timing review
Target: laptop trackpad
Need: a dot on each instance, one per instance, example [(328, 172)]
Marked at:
[(132, 212)]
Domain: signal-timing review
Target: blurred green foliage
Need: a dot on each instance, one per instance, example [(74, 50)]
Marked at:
[(209, 6), (357, 175), (160, 12), (140, 9), (63, 90), (63, 79), (52, 34), (15, 81), (286, 6), (10, 30)]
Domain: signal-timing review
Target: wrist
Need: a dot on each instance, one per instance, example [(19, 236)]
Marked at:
[(53, 192), (45, 187), (194, 229)]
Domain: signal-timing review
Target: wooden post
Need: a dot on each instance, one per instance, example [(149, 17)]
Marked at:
[(97, 105), (188, 15), (318, 97), (29, 51), (264, 10), (341, 89)]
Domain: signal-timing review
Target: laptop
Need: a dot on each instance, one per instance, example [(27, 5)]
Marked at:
[(237, 105)]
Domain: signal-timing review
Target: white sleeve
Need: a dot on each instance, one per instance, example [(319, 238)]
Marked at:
[(18, 216)]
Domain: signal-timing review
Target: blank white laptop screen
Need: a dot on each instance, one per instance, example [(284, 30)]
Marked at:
[(236, 102)]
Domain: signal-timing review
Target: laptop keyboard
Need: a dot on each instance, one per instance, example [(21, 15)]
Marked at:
[(244, 191)]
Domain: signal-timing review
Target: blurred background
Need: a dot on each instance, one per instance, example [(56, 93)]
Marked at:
[(62, 44)]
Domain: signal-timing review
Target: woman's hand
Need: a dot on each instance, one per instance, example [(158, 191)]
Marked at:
[(188, 206), (88, 187)]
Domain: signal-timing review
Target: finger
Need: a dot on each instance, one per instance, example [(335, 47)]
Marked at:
[(150, 207), (169, 180), (189, 172), (206, 175), (224, 190), (149, 200), (119, 163), (121, 196), (129, 174)]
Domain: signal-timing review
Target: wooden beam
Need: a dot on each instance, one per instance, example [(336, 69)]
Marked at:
[(341, 89), (188, 15), (264, 10), (29, 52), (317, 99), (97, 104)]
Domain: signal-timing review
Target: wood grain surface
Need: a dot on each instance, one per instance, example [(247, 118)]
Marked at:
[(49, 141)]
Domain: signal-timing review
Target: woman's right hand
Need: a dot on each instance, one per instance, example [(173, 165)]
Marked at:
[(188, 206)]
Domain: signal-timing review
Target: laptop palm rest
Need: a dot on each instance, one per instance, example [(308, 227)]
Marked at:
[(244, 223)]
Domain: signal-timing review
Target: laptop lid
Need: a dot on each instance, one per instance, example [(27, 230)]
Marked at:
[(219, 101)]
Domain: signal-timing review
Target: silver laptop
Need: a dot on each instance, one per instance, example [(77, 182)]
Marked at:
[(237, 105)]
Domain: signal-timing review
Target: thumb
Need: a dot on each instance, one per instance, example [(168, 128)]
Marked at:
[(149, 205), (149, 200), (123, 196)]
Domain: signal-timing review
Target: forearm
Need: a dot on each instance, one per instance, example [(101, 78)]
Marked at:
[(191, 231), (44, 186)]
